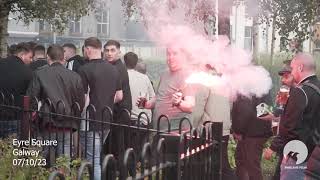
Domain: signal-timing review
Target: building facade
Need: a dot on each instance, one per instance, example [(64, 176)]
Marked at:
[(108, 22)]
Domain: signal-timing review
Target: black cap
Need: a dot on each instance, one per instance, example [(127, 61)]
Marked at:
[(285, 69)]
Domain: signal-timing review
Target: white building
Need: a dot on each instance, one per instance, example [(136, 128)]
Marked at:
[(109, 23)]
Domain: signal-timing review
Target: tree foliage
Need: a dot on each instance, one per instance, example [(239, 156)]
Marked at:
[(195, 11), (55, 12), (293, 19)]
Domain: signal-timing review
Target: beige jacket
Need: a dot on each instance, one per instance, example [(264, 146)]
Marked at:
[(212, 107)]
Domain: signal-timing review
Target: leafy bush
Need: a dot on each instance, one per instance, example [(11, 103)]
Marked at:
[(11, 172)]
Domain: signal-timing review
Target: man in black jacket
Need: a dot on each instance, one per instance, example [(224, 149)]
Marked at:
[(57, 83), (251, 133), (301, 115), (73, 61), (112, 54), (15, 76), (101, 80), (122, 138)]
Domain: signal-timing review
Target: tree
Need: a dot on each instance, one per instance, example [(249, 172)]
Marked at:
[(292, 19), (55, 12), (195, 11)]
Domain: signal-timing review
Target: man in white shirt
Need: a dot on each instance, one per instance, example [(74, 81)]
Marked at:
[(140, 85)]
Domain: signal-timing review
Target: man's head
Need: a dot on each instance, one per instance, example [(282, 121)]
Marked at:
[(92, 48), (39, 52), (70, 50), (12, 50), (55, 54), (285, 74), (131, 60), (111, 50), (32, 44), (175, 58), (25, 52), (302, 65)]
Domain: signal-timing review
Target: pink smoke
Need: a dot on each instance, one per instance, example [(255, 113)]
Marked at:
[(239, 75)]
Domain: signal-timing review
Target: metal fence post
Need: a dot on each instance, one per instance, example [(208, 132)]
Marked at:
[(24, 117), (217, 150), (172, 143)]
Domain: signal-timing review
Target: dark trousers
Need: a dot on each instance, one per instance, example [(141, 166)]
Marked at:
[(248, 158), (8, 127), (227, 172)]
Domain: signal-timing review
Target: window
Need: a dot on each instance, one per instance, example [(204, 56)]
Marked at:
[(248, 38), (44, 26), (103, 22), (75, 26)]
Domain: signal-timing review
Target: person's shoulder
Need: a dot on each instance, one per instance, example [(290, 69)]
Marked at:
[(138, 75), (78, 58), (121, 66), (85, 66), (144, 76), (298, 92), (311, 86), (42, 68), (72, 74)]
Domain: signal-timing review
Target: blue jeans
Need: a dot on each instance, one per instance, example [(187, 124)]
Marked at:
[(63, 145), (90, 154), (292, 171)]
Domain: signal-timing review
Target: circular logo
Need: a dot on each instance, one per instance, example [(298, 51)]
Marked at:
[(296, 149)]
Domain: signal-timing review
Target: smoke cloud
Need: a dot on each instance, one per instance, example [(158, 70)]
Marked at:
[(239, 74)]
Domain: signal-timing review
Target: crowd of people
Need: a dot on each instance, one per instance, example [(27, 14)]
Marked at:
[(101, 78)]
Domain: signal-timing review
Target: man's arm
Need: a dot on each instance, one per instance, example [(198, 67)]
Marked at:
[(119, 85), (199, 113), (85, 88), (150, 88), (187, 104), (34, 89), (149, 104), (80, 93), (84, 80), (292, 115), (118, 96)]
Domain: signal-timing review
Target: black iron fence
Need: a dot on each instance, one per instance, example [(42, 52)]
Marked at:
[(113, 150)]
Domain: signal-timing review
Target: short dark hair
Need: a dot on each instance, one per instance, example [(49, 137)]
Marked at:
[(23, 47), (55, 52), (32, 44), (93, 42), (112, 43), (131, 60), (39, 48), (12, 50), (70, 45)]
